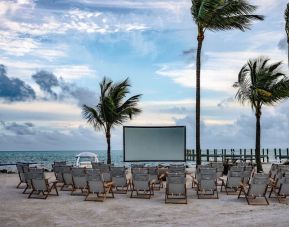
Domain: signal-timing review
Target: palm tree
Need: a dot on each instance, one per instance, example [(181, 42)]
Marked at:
[(286, 15), (216, 15), (260, 83), (112, 109)]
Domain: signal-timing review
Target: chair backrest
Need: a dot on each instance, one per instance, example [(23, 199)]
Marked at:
[(93, 174), (247, 174), (21, 167), (207, 181), (176, 184), (78, 172), (95, 184), (140, 181), (118, 176), (33, 175), (117, 171), (104, 168), (66, 175), (234, 178), (95, 165), (259, 184)]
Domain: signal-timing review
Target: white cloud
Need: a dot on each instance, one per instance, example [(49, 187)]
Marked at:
[(73, 72), (220, 72)]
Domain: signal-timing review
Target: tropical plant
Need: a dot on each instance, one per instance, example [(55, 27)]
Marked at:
[(260, 83), (286, 15), (217, 15), (112, 109)]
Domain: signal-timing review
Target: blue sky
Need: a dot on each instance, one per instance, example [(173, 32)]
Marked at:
[(53, 54)]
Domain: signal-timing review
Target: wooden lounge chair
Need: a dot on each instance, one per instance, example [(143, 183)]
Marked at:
[(58, 172), (79, 181), (176, 191), (142, 186), (154, 177), (119, 180), (67, 178), (256, 189), (41, 185), (105, 171), (280, 186), (207, 183), (97, 189), (29, 176), (234, 179), (21, 169)]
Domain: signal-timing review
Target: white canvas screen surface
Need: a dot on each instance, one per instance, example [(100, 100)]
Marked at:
[(154, 143)]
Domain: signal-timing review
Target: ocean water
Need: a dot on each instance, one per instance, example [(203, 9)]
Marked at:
[(44, 159)]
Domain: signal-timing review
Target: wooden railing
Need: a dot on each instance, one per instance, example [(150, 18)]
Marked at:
[(234, 154)]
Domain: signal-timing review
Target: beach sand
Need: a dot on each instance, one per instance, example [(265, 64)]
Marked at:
[(67, 210)]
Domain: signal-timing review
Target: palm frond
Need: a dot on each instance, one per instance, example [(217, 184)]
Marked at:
[(261, 83)]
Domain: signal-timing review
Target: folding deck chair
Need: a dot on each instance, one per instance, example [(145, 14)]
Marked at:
[(256, 189), (21, 169), (207, 183), (41, 185), (176, 191), (97, 189), (119, 180), (79, 181), (142, 186)]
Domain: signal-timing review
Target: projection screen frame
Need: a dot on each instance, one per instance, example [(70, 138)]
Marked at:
[(185, 145)]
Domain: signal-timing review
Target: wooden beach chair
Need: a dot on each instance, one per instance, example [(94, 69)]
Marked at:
[(119, 180), (21, 169), (280, 186), (154, 177), (142, 186), (176, 191), (256, 189), (29, 176), (97, 189), (207, 183), (67, 178), (79, 181), (234, 180), (41, 185), (105, 171)]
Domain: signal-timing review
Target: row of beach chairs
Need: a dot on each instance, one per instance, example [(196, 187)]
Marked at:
[(102, 181)]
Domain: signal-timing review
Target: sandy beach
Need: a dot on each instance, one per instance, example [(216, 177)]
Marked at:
[(67, 210)]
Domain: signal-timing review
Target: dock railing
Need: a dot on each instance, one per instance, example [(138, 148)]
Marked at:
[(238, 154)]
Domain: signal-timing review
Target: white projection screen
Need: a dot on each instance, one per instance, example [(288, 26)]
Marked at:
[(154, 144)]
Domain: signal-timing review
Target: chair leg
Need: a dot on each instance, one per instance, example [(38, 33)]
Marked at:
[(266, 200), (18, 184), (30, 194)]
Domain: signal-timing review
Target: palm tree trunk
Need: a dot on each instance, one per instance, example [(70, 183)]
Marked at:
[(288, 50), (198, 96), (258, 140), (108, 147)]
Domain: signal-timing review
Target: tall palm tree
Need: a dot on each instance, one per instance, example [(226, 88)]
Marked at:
[(286, 15), (260, 83), (112, 108), (216, 15)]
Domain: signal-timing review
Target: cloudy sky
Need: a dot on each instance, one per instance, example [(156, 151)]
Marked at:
[(53, 54)]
